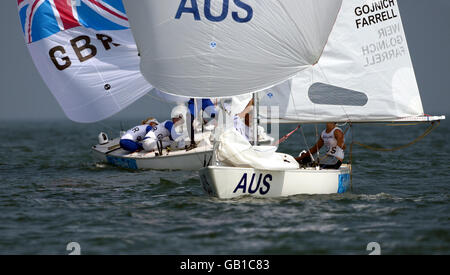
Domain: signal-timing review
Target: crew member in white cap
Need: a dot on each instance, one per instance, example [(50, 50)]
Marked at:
[(166, 132), (241, 121)]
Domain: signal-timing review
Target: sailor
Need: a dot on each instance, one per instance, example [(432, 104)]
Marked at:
[(168, 132), (208, 115), (333, 139), (241, 121), (131, 140), (207, 107)]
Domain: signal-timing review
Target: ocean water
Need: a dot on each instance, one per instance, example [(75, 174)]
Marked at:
[(52, 193)]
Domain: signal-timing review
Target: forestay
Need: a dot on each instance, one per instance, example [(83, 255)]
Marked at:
[(365, 73), (220, 48), (85, 53)]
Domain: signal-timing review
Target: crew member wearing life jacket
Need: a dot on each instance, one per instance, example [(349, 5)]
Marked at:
[(166, 132), (333, 139), (131, 140), (241, 121), (207, 106)]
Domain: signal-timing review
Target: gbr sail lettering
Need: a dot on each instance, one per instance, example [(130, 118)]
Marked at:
[(83, 47), (241, 12)]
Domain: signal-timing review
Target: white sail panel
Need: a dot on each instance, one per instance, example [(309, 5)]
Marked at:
[(220, 48), (364, 74), (86, 55)]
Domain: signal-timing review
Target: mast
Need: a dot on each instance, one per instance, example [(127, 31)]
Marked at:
[(192, 135), (255, 119)]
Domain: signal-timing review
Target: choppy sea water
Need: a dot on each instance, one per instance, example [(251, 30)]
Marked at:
[(52, 192)]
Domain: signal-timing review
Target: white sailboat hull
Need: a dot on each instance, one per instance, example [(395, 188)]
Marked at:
[(190, 160), (230, 182), (169, 160)]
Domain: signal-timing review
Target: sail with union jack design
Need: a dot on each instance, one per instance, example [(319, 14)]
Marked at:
[(85, 53), (41, 19)]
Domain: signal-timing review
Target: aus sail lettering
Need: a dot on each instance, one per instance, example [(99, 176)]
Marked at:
[(241, 12), (261, 185)]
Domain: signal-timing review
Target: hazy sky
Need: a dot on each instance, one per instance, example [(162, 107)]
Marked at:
[(23, 94)]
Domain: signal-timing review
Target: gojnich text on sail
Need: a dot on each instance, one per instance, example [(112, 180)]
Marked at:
[(379, 11)]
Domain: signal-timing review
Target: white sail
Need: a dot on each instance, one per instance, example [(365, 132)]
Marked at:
[(364, 74), (220, 48), (85, 53)]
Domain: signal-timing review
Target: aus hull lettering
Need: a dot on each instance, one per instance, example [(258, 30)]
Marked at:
[(254, 184)]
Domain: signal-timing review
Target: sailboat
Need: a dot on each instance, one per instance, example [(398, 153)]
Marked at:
[(316, 61), (87, 56), (188, 159)]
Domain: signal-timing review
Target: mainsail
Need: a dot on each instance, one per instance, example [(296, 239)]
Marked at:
[(221, 48), (85, 53), (364, 74)]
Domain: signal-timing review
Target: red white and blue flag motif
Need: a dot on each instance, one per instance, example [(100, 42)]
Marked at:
[(85, 53), (43, 18)]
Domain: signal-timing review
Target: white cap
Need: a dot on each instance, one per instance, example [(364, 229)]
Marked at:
[(179, 112)]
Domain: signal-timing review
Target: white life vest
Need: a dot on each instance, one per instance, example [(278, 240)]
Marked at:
[(161, 131), (165, 129), (137, 133), (164, 132), (330, 143)]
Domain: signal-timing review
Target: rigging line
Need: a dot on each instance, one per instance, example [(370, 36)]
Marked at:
[(306, 143), (381, 149), (297, 115), (292, 98), (315, 125), (164, 100), (351, 159), (317, 146), (193, 130), (283, 139), (403, 124)]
